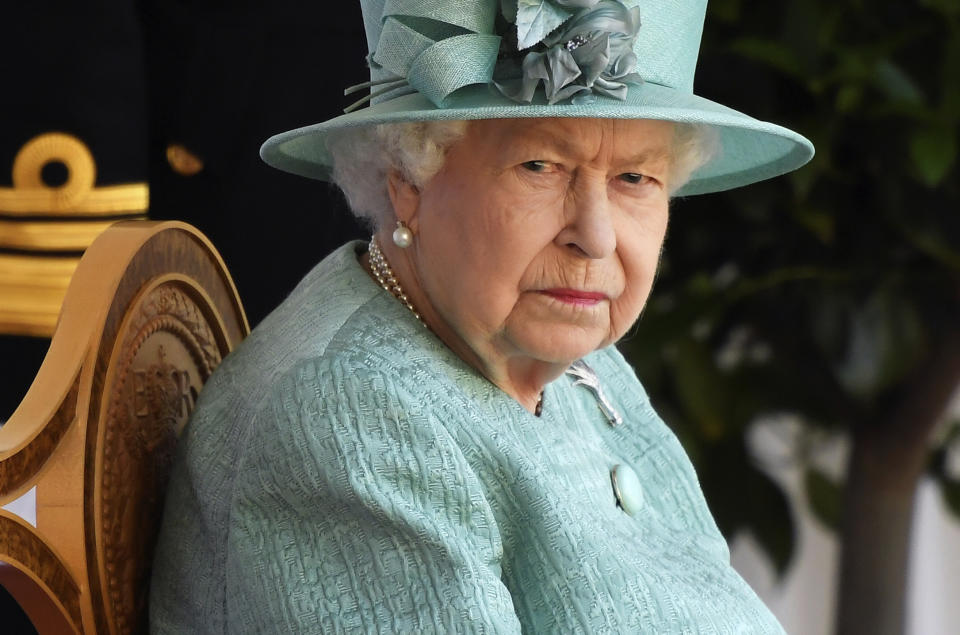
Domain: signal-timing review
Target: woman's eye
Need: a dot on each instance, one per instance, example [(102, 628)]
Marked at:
[(635, 179), (536, 166)]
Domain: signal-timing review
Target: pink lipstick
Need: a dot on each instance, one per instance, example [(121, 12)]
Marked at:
[(574, 296)]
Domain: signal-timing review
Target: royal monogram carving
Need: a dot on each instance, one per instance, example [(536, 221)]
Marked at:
[(168, 352)]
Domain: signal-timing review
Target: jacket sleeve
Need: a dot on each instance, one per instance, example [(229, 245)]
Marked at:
[(357, 512)]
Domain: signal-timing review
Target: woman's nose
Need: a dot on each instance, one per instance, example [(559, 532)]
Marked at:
[(589, 227)]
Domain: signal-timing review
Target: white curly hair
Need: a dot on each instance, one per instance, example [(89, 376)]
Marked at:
[(364, 157)]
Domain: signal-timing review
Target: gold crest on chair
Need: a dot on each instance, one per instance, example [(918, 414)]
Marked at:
[(148, 316)]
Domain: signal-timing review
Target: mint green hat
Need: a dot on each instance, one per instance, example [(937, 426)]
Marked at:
[(495, 59)]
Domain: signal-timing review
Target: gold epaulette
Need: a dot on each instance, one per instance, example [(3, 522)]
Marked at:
[(44, 229)]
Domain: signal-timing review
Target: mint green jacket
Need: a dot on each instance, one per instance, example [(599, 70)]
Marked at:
[(344, 472)]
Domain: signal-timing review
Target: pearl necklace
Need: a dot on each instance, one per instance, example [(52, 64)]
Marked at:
[(381, 270), (384, 275)]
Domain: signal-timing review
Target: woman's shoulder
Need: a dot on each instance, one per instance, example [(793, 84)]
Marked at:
[(333, 336), (324, 307), (373, 364), (378, 365)]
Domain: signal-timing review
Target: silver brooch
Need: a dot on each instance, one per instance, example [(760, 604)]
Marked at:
[(587, 377)]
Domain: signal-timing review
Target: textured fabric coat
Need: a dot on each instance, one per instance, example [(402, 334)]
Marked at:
[(345, 472)]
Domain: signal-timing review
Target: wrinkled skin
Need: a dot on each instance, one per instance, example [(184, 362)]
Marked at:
[(536, 243)]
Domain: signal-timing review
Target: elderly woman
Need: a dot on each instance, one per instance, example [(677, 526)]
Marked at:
[(435, 433)]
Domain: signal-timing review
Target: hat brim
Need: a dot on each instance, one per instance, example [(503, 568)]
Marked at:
[(750, 150)]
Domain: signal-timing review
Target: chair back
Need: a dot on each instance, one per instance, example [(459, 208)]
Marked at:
[(149, 314)]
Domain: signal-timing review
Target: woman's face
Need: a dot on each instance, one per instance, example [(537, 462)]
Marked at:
[(539, 239)]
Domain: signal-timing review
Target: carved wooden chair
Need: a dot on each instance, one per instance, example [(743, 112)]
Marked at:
[(148, 315)]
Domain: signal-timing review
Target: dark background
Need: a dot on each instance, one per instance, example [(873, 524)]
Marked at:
[(218, 78)]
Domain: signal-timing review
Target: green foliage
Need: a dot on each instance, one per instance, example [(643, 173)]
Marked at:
[(949, 483), (951, 495), (933, 151), (820, 292), (823, 496)]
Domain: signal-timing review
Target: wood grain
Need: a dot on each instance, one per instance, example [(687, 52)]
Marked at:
[(148, 316)]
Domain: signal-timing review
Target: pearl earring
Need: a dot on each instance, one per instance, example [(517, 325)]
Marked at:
[(402, 236)]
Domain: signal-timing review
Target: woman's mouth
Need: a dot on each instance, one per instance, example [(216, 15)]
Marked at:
[(576, 297)]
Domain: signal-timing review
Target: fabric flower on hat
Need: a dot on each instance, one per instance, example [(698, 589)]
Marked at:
[(535, 19), (578, 48)]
